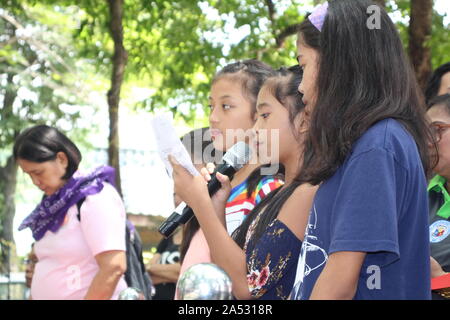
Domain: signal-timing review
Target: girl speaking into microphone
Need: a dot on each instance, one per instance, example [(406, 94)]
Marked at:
[(262, 255)]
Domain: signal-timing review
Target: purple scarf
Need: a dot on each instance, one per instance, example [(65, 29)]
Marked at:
[(50, 213)]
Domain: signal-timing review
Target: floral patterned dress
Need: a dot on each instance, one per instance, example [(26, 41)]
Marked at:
[(272, 261)]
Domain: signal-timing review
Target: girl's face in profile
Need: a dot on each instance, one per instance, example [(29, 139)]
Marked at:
[(46, 175), (231, 113), (308, 60), (274, 133)]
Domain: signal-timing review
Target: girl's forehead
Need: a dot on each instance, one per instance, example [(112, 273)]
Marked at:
[(303, 51), (227, 87), (231, 80), (266, 96), (271, 84), (263, 94)]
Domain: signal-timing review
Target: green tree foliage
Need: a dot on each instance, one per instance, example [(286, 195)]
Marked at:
[(439, 44), (167, 51), (38, 72), (175, 47), (170, 45), (272, 28), (172, 50)]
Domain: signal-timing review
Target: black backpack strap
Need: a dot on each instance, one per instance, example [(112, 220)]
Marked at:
[(79, 204)]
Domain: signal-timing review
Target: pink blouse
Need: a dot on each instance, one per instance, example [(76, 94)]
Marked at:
[(67, 264)]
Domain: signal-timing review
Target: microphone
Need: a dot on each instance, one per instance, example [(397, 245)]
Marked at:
[(233, 160)]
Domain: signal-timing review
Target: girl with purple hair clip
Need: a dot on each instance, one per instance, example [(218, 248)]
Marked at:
[(366, 148)]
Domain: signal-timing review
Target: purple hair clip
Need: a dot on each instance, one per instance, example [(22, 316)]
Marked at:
[(317, 17)]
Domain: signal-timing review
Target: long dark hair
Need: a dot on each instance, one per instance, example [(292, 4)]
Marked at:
[(284, 87), (41, 143), (364, 77)]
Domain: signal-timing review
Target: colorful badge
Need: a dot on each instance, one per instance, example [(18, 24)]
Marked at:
[(439, 230)]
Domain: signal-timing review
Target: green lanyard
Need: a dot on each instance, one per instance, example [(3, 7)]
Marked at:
[(437, 184)]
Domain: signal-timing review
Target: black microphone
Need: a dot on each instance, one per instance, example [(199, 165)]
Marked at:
[(233, 160)]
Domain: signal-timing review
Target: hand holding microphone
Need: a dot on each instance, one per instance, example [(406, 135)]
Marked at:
[(220, 198), (193, 189)]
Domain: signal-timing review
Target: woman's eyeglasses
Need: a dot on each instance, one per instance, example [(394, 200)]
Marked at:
[(438, 129)]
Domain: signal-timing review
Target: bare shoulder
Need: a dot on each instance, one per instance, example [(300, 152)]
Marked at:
[(304, 192), (295, 211)]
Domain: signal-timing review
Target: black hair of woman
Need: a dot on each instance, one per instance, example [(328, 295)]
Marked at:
[(371, 62), (41, 143)]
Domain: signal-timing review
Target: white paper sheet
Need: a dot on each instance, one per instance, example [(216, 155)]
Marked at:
[(169, 143)]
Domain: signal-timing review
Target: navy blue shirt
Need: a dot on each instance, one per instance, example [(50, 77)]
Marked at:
[(376, 202)]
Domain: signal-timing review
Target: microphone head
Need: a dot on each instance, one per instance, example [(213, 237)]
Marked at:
[(238, 155)]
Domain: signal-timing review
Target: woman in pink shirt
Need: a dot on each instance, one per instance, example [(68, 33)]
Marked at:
[(78, 258)]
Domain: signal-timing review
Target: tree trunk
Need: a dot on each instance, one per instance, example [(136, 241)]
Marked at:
[(120, 58), (419, 33), (8, 183)]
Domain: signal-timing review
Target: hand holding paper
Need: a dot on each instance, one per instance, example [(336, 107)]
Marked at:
[(169, 143)]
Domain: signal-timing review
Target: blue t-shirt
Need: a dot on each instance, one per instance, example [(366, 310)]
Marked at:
[(376, 202)]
